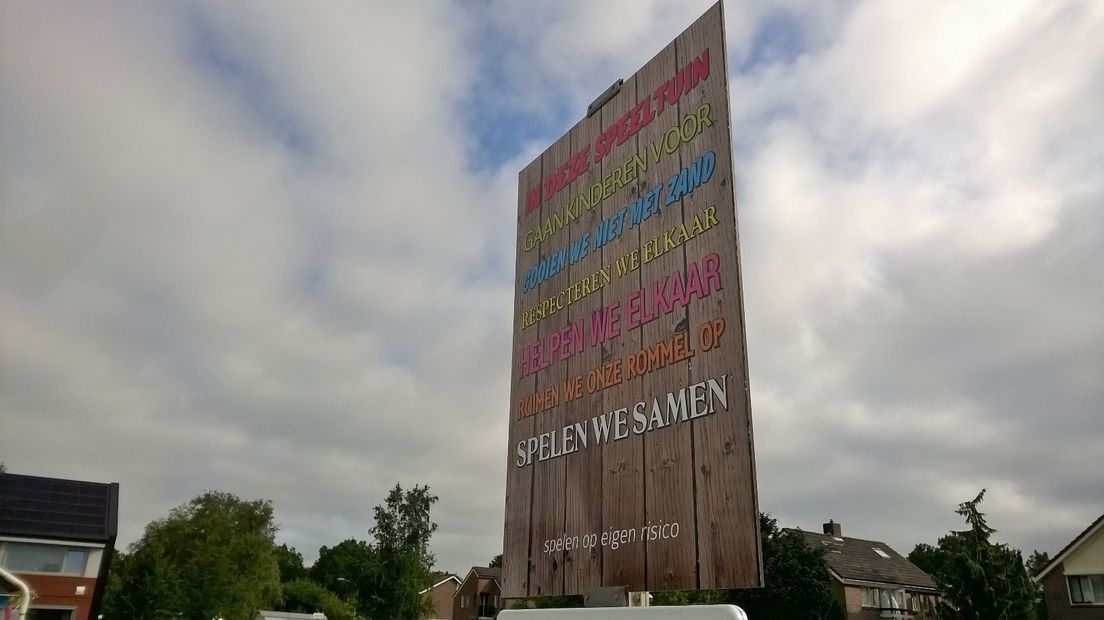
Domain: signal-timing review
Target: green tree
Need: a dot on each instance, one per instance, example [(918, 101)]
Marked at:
[(797, 581), (1036, 562), (216, 555), (345, 568), (496, 562), (143, 584), (404, 567), (290, 563), (3, 468), (305, 596), (979, 579), (927, 558)]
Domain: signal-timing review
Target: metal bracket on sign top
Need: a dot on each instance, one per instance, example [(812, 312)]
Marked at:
[(604, 98)]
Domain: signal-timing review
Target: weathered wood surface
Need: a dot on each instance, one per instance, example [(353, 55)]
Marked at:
[(519, 482), (727, 506), (699, 473)]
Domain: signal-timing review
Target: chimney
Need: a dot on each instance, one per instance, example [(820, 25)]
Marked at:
[(831, 528)]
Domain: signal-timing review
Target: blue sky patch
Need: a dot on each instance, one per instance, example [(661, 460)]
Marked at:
[(245, 82), (779, 39)]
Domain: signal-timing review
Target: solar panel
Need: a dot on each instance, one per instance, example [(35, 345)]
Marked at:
[(50, 507)]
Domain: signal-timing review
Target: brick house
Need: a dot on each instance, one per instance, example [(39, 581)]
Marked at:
[(57, 536), (1073, 582), (441, 594), (871, 580), (479, 595)]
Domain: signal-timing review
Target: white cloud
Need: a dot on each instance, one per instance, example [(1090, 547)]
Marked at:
[(914, 284), (251, 249)]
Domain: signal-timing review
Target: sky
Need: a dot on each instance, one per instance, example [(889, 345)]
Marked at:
[(268, 248)]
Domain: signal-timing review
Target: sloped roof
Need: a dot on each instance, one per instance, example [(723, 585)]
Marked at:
[(484, 572), (439, 577), (855, 559), (1073, 544)]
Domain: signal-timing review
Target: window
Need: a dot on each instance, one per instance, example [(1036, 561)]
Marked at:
[(486, 605), (1086, 589), (880, 552), (74, 562), (918, 602), (463, 601), (50, 614), (883, 598), (38, 558)]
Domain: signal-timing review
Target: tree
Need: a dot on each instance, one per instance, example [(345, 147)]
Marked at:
[(927, 558), (305, 596), (978, 578), (3, 469), (290, 563), (496, 562), (1036, 562), (143, 584), (797, 581), (402, 532), (345, 567), (212, 557), (1035, 565)]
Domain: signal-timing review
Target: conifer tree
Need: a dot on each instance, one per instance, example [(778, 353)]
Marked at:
[(979, 579)]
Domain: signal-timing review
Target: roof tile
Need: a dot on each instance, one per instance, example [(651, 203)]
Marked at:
[(856, 559)]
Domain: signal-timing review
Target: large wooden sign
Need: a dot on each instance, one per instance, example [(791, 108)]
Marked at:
[(630, 456)]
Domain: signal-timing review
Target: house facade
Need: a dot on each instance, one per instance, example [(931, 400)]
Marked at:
[(441, 595), (57, 536), (479, 596), (871, 580), (1073, 582)]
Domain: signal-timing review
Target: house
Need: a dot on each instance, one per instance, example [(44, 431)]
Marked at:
[(1073, 582), (871, 580), (441, 594), (57, 537), (479, 595)]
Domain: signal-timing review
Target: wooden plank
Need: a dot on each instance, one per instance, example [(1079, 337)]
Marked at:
[(583, 506), (729, 551), (669, 480), (519, 481), (546, 576), (623, 459)]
